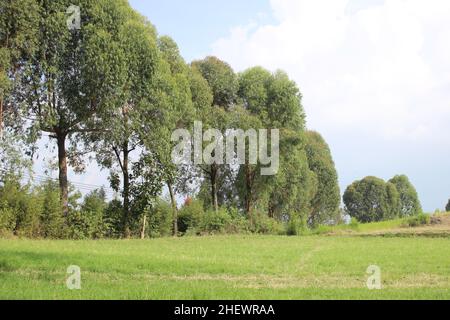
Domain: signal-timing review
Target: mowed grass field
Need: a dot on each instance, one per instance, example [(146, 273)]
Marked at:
[(228, 267)]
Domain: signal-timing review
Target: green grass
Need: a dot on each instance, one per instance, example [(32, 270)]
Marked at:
[(235, 267), (362, 228)]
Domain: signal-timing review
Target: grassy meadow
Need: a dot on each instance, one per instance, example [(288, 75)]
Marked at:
[(228, 267)]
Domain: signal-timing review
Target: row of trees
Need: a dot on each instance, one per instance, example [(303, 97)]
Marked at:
[(372, 199), (115, 90)]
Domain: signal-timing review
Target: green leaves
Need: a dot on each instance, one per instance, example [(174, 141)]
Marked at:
[(409, 200), (372, 200), (221, 79), (326, 201)]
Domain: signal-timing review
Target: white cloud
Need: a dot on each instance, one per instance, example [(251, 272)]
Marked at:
[(382, 69)]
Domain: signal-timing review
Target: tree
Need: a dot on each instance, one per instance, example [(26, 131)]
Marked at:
[(180, 115), (447, 208), (372, 200), (221, 79), (409, 200), (18, 30), (253, 93), (134, 112), (224, 87), (326, 201), (74, 75)]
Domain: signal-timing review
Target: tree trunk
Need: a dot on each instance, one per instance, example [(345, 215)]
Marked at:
[(62, 164), (249, 193), (126, 192), (1, 117), (174, 209), (143, 227), (213, 178), (249, 190)]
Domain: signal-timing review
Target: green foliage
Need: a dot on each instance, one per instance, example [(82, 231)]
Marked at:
[(354, 224), (160, 220), (326, 201), (447, 207), (263, 224), (52, 220), (88, 222), (409, 200), (113, 219), (419, 220), (372, 200), (190, 216), (221, 79), (118, 90), (7, 220), (215, 222)]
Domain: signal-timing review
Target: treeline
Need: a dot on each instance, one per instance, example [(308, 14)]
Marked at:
[(115, 90), (372, 199)]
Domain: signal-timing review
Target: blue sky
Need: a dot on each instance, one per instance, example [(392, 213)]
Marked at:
[(196, 24), (374, 74)]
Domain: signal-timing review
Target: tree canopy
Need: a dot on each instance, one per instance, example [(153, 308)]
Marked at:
[(326, 201), (371, 200), (409, 200)]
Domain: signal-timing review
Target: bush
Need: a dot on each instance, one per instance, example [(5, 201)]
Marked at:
[(88, 223), (215, 222), (160, 220), (239, 223), (113, 219), (190, 215), (354, 224), (420, 220), (7, 218), (296, 226), (263, 224)]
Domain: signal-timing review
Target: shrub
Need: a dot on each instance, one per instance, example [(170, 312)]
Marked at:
[(215, 222), (263, 224), (88, 223), (113, 219), (160, 220), (239, 223), (354, 224), (190, 216), (6, 219), (419, 220), (297, 226)]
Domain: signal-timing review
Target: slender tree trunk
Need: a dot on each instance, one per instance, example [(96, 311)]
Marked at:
[(1, 117), (126, 192), (62, 164), (174, 209), (249, 193), (213, 179), (144, 224)]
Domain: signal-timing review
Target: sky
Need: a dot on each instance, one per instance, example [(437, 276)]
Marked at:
[(374, 74)]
